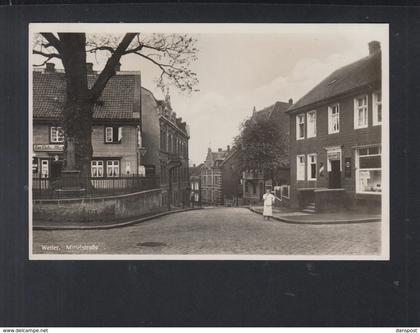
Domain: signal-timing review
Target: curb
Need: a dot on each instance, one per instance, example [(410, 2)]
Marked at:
[(313, 222), (111, 226)]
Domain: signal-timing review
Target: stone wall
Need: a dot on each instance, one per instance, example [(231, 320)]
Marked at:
[(98, 209)]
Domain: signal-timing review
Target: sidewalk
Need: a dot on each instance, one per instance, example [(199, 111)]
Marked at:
[(52, 225), (298, 217)]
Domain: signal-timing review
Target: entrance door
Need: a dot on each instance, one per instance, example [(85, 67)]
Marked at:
[(335, 174)]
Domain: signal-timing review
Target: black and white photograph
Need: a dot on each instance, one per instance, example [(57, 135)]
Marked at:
[(208, 141)]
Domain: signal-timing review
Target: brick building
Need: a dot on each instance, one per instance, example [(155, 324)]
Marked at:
[(195, 184), (116, 136), (165, 138), (254, 181), (335, 138)]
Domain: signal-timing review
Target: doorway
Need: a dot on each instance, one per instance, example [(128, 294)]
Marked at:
[(334, 176), (55, 169)]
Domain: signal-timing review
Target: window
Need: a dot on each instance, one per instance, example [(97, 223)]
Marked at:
[(368, 170), (311, 118), (377, 108), (113, 134), (97, 168), (300, 126), (333, 119), (56, 134), (361, 112), (246, 187), (312, 167), (300, 167), (112, 168)]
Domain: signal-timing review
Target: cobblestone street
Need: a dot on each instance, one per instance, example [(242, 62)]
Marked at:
[(215, 231)]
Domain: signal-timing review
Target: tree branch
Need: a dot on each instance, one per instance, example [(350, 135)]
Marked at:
[(109, 69), (52, 40)]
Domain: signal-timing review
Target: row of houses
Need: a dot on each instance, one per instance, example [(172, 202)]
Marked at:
[(334, 156), (133, 133)]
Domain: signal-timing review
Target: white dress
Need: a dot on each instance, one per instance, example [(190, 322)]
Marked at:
[(268, 204)]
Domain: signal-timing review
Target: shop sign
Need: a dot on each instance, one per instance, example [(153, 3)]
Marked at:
[(49, 147)]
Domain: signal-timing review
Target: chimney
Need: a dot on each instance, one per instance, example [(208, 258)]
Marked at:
[(89, 67), (219, 150), (290, 100), (209, 150), (50, 67), (118, 67), (228, 148), (374, 47)]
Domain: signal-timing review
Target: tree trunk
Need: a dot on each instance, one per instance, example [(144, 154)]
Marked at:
[(78, 108)]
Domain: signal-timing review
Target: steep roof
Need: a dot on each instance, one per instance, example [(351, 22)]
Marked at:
[(118, 100), (268, 111), (364, 72)]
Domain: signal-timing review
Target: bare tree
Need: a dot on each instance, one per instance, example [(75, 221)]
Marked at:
[(171, 53)]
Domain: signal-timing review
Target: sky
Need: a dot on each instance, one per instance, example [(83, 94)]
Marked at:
[(239, 68)]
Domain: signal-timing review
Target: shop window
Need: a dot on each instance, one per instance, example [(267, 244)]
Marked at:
[(113, 134), (377, 108), (56, 134), (300, 127), (333, 119), (361, 112), (300, 167), (112, 168), (368, 170), (311, 118), (97, 168), (312, 167)]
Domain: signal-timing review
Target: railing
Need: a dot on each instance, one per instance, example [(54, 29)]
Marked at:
[(46, 188)]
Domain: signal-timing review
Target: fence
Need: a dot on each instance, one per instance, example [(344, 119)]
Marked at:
[(46, 188)]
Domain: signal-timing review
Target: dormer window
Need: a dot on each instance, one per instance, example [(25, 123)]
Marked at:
[(113, 134)]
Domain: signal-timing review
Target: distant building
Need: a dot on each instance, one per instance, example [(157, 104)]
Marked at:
[(165, 138), (335, 138), (195, 184), (254, 182), (221, 177), (116, 129)]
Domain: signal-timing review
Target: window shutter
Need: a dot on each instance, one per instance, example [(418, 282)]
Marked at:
[(119, 134)]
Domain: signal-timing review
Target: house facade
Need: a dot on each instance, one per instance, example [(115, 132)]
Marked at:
[(165, 140), (335, 139), (195, 184), (116, 130), (254, 182)]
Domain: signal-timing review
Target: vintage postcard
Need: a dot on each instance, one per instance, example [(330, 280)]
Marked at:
[(208, 141)]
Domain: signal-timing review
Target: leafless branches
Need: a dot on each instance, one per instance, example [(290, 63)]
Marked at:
[(173, 54)]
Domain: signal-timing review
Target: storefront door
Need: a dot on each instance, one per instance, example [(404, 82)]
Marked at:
[(334, 175)]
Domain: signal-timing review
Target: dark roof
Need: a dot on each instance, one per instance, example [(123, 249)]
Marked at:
[(267, 112), (195, 171), (116, 102), (361, 73)]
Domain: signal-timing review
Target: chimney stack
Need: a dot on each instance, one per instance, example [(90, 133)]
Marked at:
[(89, 67), (219, 150), (49, 67), (228, 148), (374, 47), (118, 67), (290, 100)]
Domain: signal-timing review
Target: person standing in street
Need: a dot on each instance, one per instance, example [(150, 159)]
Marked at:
[(268, 204)]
